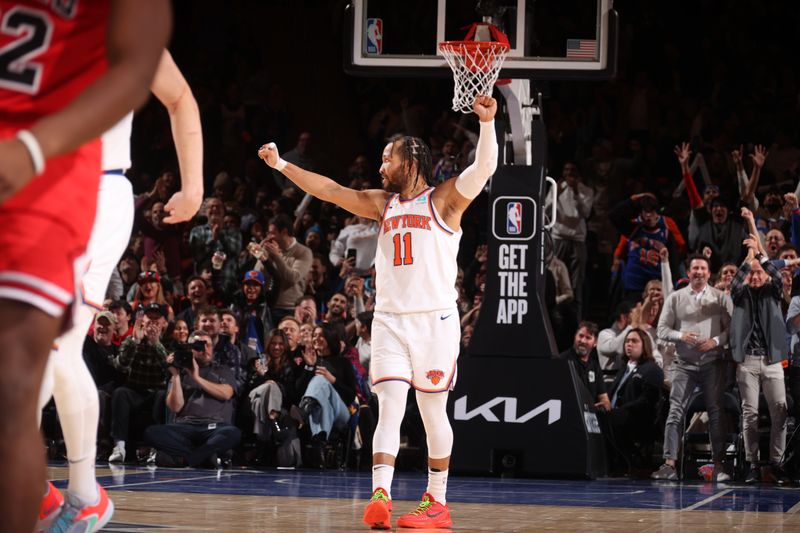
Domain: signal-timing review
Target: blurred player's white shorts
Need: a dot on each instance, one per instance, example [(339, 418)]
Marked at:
[(111, 233)]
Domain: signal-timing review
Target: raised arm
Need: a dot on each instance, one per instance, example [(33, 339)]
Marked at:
[(737, 283), (367, 204), (682, 153), (453, 196), (752, 230), (747, 196), (170, 87), (759, 157), (666, 273)]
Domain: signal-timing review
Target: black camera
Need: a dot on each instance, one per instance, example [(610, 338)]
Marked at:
[(183, 353)]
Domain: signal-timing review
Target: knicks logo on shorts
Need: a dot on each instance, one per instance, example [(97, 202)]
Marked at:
[(435, 376)]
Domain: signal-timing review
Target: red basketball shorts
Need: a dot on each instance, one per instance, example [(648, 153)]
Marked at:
[(45, 227)]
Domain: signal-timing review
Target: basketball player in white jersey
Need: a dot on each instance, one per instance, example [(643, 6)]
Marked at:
[(415, 330), (67, 377)]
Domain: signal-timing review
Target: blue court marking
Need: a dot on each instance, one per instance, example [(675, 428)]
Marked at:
[(605, 493)]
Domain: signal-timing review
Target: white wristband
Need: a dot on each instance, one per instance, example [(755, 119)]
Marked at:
[(281, 164), (29, 140)]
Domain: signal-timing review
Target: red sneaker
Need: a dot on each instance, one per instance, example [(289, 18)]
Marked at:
[(428, 514), (378, 513), (79, 516), (51, 503)]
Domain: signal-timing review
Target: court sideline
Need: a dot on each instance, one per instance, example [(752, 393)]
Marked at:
[(150, 500)]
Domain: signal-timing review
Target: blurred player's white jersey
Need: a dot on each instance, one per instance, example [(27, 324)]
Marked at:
[(416, 259), (117, 145)]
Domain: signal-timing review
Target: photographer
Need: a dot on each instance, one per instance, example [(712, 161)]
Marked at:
[(209, 320), (201, 393)]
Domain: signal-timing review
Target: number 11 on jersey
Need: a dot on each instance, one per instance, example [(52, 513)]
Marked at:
[(402, 249)]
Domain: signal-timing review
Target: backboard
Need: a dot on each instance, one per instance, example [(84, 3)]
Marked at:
[(550, 39)]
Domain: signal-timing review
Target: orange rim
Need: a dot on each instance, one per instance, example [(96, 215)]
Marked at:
[(472, 45)]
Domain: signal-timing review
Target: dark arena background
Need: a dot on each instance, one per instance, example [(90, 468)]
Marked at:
[(535, 448)]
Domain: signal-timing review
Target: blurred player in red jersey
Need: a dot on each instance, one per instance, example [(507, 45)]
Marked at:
[(67, 376), (68, 72)]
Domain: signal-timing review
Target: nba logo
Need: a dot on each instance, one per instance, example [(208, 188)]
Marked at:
[(374, 36), (514, 218)]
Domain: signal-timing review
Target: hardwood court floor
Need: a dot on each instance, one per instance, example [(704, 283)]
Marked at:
[(305, 501)]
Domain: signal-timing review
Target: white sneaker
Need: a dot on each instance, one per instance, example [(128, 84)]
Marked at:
[(719, 476), (117, 455)]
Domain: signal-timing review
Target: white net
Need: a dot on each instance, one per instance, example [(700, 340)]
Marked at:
[(475, 67)]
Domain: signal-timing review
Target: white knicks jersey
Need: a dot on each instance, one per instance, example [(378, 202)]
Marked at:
[(117, 145), (415, 264)]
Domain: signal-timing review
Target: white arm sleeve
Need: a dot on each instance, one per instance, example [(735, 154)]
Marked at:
[(470, 183)]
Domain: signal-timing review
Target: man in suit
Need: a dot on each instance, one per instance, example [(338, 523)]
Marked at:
[(696, 319)]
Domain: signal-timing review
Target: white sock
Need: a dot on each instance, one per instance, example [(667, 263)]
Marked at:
[(82, 480), (382, 478), (437, 485), (119, 444)]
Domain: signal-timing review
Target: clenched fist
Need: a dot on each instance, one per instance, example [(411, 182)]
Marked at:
[(485, 107), (269, 153)]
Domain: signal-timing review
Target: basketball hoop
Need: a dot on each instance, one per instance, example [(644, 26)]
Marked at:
[(475, 66)]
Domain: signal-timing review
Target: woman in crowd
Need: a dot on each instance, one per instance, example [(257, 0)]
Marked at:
[(328, 384), (270, 386), (635, 396), (151, 291), (177, 333)]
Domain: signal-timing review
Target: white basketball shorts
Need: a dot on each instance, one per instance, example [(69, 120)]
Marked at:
[(111, 233), (418, 348)]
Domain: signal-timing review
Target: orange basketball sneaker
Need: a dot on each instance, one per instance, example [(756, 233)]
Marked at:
[(76, 515), (428, 514), (378, 513), (48, 510)]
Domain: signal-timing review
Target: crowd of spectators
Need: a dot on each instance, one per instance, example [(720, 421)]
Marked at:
[(654, 167)]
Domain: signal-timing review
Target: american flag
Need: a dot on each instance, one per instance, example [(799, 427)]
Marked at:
[(581, 48)]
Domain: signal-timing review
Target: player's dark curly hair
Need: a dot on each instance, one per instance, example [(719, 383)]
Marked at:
[(414, 150)]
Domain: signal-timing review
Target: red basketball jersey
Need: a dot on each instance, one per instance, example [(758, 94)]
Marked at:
[(50, 50)]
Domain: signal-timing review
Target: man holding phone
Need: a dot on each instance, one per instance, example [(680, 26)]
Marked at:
[(356, 243), (201, 396), (290, 259)]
